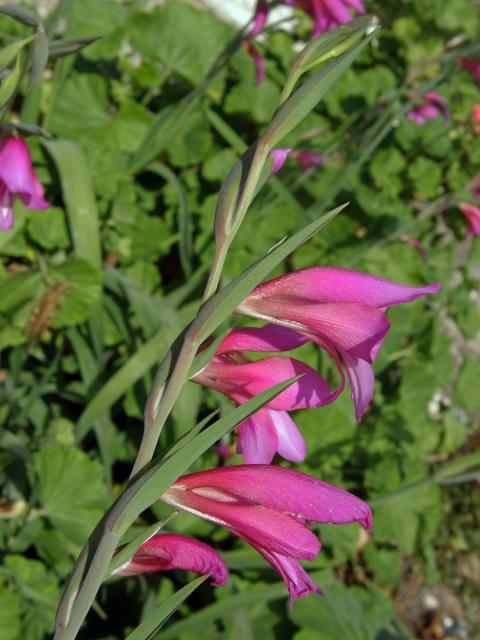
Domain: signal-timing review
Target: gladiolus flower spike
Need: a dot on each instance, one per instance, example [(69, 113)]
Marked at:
[(268, 507), (340, 310), (17, 178), (164, 552)]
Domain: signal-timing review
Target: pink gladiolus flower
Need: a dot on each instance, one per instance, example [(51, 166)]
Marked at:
[(473, 66), (166, 551), (271, 429), (268, 507), (342, 311), (472, 215), (17, 178), (258, 61), (308, 159), (279, 157), (328, 14), (432, 106), (260, 18)]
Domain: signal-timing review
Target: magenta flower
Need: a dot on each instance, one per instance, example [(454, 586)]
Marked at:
[(328, 14), (432, 106), (279, 157), (472, 215), (473, 66), (268, 507), (17, 178), (342, 311), (166, 551), (308, 159), (260, 18), (270, 430)]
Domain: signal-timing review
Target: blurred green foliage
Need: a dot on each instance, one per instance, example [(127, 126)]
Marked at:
[(156, 121)]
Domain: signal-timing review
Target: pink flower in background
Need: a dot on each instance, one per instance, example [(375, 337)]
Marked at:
[(308, 159), (279, 157), (17, 178), (258, 61), (231, 372), (342, 311), (165, 551), (433, 105), (328, 14), (268, 507), (473, 66), (260, 18), (472, 215)]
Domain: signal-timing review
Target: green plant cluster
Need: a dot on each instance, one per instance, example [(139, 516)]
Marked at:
[(145, 123)]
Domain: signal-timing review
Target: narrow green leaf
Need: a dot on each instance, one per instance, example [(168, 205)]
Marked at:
[(161, 614), (9, 53), (132, 371), (69, 46), (79, 198), (82, 214), (21, 14), (39, 54), (184, 222), (306, 98), (10, 83), (218, 308)]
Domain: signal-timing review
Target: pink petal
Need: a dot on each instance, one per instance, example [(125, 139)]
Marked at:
[(349, 326), (337, 10), (298, 581), (261, 14), (472, 215), (17, 173), (270, 528), (258, 440), (270, 337), (291, 444), (245, 380), (164, 552), (279, 157), (284, 490), (362, 382), (333, 284)]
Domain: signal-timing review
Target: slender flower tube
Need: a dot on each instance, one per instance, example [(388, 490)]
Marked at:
[(342, 311), (472, 216), (433, 106), (166, 551), (17, 178), (270, 430), (268, 507)]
